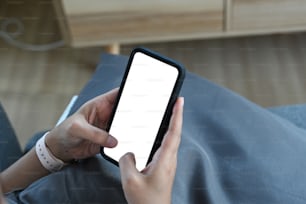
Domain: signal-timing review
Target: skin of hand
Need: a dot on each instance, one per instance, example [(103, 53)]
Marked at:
[(82, 134), (154, 183), (2, 201)]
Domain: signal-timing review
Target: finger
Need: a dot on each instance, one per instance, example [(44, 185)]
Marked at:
[(98, 109), (93, 134), (171, 141), (128, 170), (106, 106), (110, 97), (106, 99)]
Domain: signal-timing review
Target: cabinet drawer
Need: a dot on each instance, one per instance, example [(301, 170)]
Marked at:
[(267, 14), (103, 22)]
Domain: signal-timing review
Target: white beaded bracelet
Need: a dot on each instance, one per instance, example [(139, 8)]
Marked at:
[(45, 156)]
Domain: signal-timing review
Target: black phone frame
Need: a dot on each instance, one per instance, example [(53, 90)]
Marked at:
[(167, 115)]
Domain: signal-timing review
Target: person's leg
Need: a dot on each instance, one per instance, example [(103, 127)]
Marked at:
[(232, 151), (9, 147), (294, 113)]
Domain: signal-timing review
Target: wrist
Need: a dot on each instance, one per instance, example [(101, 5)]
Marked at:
[(48, 160), (56, 147)]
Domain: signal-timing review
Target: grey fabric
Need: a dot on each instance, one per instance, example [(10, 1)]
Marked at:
[(32, 141), (9, 147), (293, 113), (232, 151)]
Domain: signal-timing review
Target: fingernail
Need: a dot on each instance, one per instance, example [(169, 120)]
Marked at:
[(111, 141), (183, 101)]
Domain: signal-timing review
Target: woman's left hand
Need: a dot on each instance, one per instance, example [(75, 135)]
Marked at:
[(81, 135)]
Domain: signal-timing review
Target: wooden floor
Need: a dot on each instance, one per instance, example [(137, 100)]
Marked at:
[(35, 87)]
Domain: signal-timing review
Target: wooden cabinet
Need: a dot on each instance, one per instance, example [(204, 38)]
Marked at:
[(100, 22), (269, 15), (104, 22)]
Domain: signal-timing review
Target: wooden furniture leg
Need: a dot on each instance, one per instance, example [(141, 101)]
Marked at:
[(113, 48)]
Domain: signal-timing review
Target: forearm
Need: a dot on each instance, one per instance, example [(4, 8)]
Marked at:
[(23, 172), (2, 201)]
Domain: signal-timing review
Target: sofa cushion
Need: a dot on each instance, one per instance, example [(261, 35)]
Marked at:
[(9, 147)]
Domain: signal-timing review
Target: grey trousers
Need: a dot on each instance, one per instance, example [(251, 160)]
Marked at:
[(232, 151)]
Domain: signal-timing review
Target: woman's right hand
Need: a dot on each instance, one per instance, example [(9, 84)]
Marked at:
[(154, 183)]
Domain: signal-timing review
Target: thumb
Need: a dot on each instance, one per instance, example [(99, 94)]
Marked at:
[(128, 170)]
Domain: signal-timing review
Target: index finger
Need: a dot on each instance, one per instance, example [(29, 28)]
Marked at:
[(100, 106), (108, 98)]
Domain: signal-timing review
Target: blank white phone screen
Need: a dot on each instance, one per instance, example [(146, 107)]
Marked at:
[(141, 108)]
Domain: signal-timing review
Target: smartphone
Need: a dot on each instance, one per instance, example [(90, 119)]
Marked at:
[(141, 114)]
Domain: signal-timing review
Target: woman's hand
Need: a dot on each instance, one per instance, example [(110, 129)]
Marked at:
[(81, 135), (154, 183)]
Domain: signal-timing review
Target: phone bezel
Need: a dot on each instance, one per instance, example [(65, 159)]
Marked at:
[(168, 112)]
